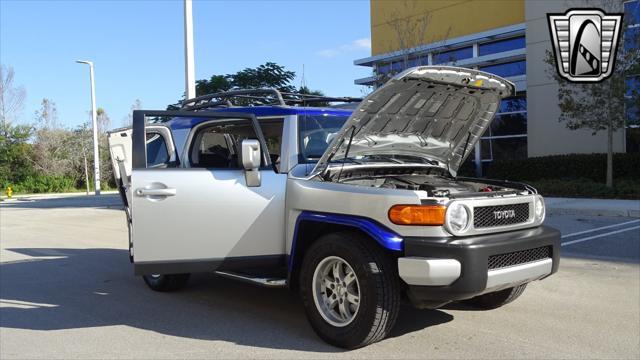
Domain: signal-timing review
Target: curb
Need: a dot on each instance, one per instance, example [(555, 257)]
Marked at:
[(595, 212)]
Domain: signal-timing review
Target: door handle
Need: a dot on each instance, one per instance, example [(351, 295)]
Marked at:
[(155, 192)]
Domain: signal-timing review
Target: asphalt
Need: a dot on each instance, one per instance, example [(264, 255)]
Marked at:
[(67, 291)]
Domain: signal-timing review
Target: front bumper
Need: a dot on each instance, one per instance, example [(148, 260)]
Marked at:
[(441, 270)]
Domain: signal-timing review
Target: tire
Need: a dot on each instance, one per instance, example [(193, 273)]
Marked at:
[(165, 283), (376, 282), (497, 299)]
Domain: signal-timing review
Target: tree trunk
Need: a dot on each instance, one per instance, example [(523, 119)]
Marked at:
[(86, 173), (610, 155)]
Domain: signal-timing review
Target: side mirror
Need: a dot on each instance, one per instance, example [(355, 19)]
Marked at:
[(251, 162)]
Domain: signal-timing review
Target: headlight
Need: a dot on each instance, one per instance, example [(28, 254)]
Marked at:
[(457, 217), (539, 208)]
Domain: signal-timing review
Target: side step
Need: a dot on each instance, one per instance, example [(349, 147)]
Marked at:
[(257, 280)]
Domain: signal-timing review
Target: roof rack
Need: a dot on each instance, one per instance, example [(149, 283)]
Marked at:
[(257, 97)]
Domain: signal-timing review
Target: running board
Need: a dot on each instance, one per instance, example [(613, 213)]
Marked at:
[(262, 281)]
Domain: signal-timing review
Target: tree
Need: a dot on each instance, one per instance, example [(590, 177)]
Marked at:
[(216, 83), (601, 106), (409, 33), (15, 152), (268, 75), (11, 98), (47, 116), (103, 120), (128, 120), (50, 155)]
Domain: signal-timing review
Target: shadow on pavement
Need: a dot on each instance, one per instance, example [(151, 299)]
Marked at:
[(109, 201), (79, 288)]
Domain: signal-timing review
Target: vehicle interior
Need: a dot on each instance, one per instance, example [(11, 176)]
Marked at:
[(218, 145)]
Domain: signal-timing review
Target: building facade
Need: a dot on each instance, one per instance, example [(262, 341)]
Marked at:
[(507, 38)]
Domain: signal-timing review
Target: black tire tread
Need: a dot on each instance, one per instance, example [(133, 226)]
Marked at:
[(168, 282), (497, 299), (387, 285)]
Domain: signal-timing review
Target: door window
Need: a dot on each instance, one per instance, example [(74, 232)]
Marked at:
[(272, 131), (217, 145), (157, 152)]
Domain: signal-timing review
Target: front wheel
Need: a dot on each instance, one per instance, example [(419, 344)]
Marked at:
[(169, 282), (497, 299), (350, 290)]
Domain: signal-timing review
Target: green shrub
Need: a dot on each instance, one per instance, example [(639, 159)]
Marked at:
[(572, 166), (622, 189), (42, 184), (573, 175)]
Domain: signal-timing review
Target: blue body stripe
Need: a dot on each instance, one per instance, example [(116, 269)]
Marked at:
[(187, 123), (380, 233)]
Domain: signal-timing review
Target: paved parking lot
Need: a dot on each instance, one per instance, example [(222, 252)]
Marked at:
[(67, 291)]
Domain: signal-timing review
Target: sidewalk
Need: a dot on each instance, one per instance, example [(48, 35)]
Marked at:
[(53, 195), (593, 207)]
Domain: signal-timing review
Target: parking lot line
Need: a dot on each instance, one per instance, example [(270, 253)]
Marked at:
[(600, 228), (599, 236)]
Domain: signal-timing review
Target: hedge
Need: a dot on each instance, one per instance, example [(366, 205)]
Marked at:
[(33, 184), (573, 175), (573, 166), (622, 189)]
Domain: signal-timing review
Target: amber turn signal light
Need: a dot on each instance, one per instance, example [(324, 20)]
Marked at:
[(417, 214)]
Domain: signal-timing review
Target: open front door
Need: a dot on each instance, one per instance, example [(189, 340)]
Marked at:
[(203, 213)]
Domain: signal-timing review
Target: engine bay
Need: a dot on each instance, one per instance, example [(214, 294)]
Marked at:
[(436, 183)]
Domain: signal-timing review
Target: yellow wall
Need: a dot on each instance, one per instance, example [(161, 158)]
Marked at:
[(446, 19)]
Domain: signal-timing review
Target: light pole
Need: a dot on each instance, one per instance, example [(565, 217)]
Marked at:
[(94, 120), (189, 71)]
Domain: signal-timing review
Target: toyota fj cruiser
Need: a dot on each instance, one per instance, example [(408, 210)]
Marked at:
[(353, 209)]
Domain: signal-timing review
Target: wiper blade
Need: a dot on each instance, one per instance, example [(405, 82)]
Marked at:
[(345, 160), (390, 158)]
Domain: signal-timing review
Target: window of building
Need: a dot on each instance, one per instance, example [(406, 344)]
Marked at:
[(501, 46), (413, 62), (632, 12), (453, 55), (631, 38), (383, 68), (397, 66), (507, 69), (632, 82), (506, 138)]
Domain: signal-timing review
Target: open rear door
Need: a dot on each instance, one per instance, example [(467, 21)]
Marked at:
[(158, 142), (120, 151)]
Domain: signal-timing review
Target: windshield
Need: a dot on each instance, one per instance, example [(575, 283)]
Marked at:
[(316, 133)]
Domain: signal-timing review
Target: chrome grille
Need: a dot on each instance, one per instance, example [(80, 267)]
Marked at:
[(519, 257), (500, 215)]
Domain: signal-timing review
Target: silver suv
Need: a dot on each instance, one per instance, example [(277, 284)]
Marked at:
[(353, 209)]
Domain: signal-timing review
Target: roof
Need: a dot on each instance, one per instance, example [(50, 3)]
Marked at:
[(260, 111)]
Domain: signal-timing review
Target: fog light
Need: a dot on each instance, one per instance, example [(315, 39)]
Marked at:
[(457, 217), (539, 208)]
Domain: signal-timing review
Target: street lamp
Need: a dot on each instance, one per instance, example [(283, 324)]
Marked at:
[(189, 71), (96, 155)]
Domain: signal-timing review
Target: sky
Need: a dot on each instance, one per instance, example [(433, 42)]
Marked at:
[(137, 48)]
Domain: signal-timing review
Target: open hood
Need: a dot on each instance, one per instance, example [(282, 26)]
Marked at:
[(432, 112)]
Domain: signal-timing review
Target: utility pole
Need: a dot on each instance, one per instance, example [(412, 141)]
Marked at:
[(94, 120), (189, 66)]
